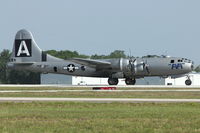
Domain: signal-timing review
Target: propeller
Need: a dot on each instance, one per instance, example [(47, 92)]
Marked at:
[(132, 64)]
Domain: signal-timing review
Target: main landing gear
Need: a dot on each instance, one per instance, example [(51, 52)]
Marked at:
[(115, 81), (130, 81)]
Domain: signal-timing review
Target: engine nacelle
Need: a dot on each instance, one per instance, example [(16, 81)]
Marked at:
[(134, 67), (127, 67), (138, 68)]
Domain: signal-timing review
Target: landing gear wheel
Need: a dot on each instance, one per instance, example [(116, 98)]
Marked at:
[(129, 81), (188, 82), (113, 81)]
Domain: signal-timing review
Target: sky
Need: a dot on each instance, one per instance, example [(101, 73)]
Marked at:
[(144, 27)]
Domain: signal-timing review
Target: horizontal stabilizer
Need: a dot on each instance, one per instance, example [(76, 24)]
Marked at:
[(23, 63)]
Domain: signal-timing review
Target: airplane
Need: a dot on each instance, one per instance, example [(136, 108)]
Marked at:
[(26, 55)]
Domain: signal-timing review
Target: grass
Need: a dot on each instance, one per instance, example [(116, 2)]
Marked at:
[(80, 117), (110, 94), (75, 117)]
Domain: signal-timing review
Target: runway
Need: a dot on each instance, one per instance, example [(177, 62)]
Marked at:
[(101, 100), (90, 86), (54, 91), (70, 88)]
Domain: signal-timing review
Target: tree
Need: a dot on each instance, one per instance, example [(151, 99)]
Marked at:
[(4, 58), (99, 56), (114, 54), (15, 77), (23, 77), (66, 54), (117, 54)]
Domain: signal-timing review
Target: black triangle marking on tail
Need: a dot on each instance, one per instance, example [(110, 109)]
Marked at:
[(23, 48)]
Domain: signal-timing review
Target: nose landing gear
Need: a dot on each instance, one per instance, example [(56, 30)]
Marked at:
[(188, 81)]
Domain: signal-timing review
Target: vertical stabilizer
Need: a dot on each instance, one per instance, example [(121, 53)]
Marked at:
[(25, 49)]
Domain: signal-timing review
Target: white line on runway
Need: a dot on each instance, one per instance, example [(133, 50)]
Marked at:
[(134, 100), (54, 91)]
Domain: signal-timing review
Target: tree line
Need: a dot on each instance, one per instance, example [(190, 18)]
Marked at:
[(67, 54), (25, 77)]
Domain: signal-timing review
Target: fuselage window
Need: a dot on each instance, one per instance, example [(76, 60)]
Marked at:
[(180, 61)]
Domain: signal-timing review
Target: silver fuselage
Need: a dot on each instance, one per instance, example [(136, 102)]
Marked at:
[(158, 66)]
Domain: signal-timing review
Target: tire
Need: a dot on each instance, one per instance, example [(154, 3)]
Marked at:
[(129, 81), (188, 82), (113, 81)]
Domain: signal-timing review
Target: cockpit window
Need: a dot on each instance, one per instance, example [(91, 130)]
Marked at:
[(180, 60), (186, 60), (172, 61)]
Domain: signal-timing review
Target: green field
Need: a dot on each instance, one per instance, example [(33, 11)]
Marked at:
[(72, 117), (110, 94), (83, 117)]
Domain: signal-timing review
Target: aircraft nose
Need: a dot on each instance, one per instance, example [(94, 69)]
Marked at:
[(189, 65)]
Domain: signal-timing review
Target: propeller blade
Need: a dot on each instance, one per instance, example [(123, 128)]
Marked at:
[(132, 65), (145, 65), (147, 70)]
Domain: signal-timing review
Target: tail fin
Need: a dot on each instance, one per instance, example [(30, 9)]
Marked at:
[(25, 49)]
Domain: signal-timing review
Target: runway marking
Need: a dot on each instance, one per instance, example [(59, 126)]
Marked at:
[(54, 91), (134, 100)]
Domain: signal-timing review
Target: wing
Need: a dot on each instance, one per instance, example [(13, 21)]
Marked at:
[(92, 63)]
